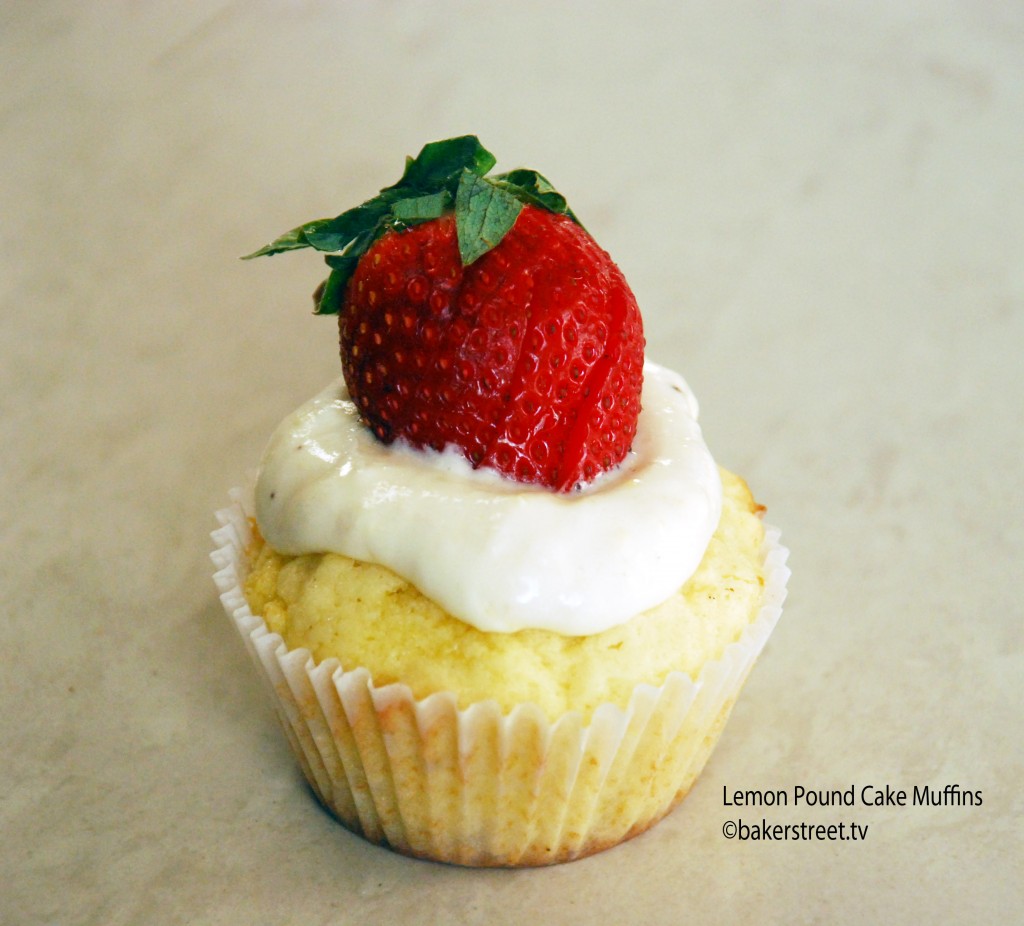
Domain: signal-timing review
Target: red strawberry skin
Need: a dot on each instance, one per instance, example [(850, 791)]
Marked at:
[(530, 359)]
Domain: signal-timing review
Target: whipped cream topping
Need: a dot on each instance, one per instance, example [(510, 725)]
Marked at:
[(494, 553)]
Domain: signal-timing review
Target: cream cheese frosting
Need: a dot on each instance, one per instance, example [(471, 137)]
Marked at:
[(494, 553)]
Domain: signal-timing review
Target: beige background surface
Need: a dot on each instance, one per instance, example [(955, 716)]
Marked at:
[(819, 206)]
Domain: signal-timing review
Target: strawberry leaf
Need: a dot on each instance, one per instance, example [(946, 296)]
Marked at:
[(533, 187), (484, 213), (332, 294), (328, 234), (336, 234), (422, 208), (289, 241), (442, 161)]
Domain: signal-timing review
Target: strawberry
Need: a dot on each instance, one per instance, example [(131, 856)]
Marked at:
[(477, 312)]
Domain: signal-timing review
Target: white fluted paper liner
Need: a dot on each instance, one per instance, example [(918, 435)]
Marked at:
[(474, 786)]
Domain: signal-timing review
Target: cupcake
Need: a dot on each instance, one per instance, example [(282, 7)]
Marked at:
[(502, 595)]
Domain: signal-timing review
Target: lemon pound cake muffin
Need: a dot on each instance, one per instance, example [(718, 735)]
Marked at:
[(502, 595)]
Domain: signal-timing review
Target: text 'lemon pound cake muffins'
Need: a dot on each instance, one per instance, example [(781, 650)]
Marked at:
[(503, 597)]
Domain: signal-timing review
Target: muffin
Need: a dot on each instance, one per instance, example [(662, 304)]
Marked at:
[(494, 639)]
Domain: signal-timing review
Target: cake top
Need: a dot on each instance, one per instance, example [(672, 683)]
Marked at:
[(488, 442), (497, 554)]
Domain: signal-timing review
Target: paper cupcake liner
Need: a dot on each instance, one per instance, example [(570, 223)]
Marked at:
[(476, 786)]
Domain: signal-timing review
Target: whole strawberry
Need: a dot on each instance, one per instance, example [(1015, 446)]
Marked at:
[(478, 312)]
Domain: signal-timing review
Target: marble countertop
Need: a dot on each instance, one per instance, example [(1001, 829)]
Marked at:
[(818, 206)]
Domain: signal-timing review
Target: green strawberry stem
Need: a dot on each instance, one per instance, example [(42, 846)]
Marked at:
[(445, 175)]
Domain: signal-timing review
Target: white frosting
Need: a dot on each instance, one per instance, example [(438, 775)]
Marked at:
[(496, 554)]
